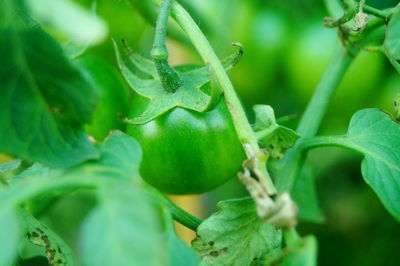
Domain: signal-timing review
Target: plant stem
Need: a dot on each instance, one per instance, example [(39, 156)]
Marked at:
[(159, 50), (168, 76), (242, 125), (324, 141), (182, 216), (316, 109), (288, 169), (383, 14), (179, 214)]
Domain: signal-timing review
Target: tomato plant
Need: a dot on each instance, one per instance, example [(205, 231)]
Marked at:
[(85, 167)]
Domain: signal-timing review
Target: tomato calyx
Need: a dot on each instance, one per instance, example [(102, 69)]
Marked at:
[(190, 95), (167, 87)]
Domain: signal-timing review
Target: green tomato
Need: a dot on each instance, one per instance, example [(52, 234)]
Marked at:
[(187, 152), (113, 96)]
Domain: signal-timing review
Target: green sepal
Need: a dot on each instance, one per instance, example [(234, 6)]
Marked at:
[(275, 138), (192, 94)]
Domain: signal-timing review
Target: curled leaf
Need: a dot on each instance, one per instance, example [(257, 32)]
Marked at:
[(275, 138), (236, 236)]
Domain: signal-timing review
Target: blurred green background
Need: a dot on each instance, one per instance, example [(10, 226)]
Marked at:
[(286, 49)]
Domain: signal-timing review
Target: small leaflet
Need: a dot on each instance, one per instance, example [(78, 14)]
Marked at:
[(275, 138)]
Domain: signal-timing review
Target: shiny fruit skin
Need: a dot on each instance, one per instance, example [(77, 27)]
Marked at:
[(187, 152)]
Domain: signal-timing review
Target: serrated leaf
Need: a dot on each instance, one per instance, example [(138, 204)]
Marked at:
[(57, 252), (190, 95), (122, 230), (43, 102), (9, 235), (392, 39), (235, 235), (69, 19), (377, 136), (305, 195), (275, 138)]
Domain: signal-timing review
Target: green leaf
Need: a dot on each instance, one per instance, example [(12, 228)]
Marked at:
[(123, 153), (122, 230), (44, 101), (69, 19), (377, 136), (235, 235), (275, 138), (191, 95), (57, 252), (305, 195), (9, 235), (113, 95), (35, 170), (392, 39), (303, 253), (180, 254), (14, 164)]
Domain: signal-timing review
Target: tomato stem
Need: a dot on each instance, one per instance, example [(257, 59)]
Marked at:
[(179, 214), (383, 14), (169, 77), (182, 216), (323, 141)]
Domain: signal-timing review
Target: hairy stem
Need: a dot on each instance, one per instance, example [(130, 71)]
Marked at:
[(168, 76)]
